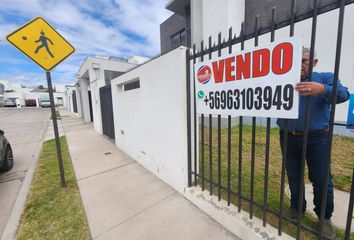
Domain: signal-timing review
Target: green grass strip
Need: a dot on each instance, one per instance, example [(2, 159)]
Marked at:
[(58, 114), (53, 212)]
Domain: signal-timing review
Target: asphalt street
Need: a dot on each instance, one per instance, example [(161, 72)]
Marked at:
[(24, 129)]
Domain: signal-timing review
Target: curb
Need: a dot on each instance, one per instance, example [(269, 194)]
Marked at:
[(14, 219)]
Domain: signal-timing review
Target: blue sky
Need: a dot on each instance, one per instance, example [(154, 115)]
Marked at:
[(120, 28)]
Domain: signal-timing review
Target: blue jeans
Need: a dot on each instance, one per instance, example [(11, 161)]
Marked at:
[(316, 154)]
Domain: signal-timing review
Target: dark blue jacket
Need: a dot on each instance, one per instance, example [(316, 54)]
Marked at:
[(320, 104)]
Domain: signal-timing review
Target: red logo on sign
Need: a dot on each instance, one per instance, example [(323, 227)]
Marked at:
[(204, 74)]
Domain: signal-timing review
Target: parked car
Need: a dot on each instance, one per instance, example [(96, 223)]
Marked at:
[(31, 103), (9, 103), (45, 102), (6, 155)]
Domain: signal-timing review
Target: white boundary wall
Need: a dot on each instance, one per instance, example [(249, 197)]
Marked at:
[(151, 121)]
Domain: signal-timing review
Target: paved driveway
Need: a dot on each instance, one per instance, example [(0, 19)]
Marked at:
[(24, 129)]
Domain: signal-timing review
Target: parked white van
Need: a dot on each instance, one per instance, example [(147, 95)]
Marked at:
[(45, 102)]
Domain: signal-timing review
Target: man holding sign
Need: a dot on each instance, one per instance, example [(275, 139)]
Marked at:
[(320, 89)]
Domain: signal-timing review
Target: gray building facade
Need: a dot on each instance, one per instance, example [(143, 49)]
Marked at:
[(172, 33), (176, 30)]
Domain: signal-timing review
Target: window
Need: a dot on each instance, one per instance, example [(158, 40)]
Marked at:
[(132, 85), (178, 39)]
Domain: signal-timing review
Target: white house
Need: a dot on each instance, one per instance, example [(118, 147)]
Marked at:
[(19, 94), (69, 101), (15, 92), (94, 73)]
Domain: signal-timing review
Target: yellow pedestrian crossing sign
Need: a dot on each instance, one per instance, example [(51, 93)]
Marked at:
[(41, 42)]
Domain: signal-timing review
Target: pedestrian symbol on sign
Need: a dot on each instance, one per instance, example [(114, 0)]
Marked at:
[(43, 39)]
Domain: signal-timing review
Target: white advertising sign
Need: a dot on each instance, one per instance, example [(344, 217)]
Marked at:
[(256, 82)]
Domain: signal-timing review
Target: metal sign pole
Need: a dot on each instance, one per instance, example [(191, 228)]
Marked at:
[(56, 133)]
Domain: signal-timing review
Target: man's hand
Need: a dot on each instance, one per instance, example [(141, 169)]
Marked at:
[(310, 88)]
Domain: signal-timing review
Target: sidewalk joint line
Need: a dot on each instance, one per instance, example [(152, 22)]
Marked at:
[(105, 171)]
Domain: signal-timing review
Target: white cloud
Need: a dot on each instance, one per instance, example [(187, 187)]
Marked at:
[(26, 78), (5, 29), (12, 60), (106, 27)]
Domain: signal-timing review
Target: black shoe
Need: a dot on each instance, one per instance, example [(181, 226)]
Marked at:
[(328, 229)]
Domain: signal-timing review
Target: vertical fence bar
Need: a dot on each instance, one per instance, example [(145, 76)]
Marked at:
[(210, 136), (202, 140), (219, 133), (252, 165), (282, 181), (202, 119), (307, 121), (219, 157), (211, 154), (189, 118), (230, 40), (333, 110), (253, 135), (240, 135), (285, 137), (210, 47), (266, 167), (350, 211), (195, 121), (229, 139), (228, 160)]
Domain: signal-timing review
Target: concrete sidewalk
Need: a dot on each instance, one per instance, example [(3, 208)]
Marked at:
[(123, 200)]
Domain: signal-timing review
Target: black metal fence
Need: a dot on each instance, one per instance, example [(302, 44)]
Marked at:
[(201, 169)]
